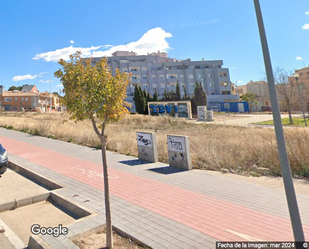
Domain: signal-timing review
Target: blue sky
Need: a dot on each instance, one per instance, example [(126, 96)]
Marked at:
[(34, 34)]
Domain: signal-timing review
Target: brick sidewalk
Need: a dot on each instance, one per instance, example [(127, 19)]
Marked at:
[(162, 207)]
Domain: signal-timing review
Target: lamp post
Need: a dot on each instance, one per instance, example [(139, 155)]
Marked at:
[(228, 104), (296, 75), (283, 156)]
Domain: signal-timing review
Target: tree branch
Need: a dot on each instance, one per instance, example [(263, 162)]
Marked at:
[(95, 128)]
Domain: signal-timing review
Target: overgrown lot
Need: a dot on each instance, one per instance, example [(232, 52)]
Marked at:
[(236, 149)]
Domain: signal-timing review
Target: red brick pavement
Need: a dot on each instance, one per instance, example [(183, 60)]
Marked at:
[(219, 219)]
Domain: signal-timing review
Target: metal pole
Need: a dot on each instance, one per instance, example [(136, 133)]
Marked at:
[(301, 101), (284, 160)]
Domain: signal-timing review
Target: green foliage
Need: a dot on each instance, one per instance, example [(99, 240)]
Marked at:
[(185, 96), (12, 88), (139, 100), (178, 94), (250, 98), (155, 97), (199, 97), (90, 90)]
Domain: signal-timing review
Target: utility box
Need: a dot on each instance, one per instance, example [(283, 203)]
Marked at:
[(210, 115), (147, 146), (179, 152), (201, 113)]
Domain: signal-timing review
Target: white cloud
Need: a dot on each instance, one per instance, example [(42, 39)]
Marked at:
[(59, 85), (306, 26), (298, 58), (25, 77), (64, 53), (43, 73), (152, 41), (72, 42), (307, 13)]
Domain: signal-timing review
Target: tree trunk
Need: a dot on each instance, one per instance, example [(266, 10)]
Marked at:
[(290, 117), (109, 230)]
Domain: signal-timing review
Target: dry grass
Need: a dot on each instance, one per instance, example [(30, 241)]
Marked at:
[(212, 147)]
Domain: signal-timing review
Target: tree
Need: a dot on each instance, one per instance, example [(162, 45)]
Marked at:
[(287, 91), (91, 92), (155, 96), (12, 88), (178, 94), (199, 97), (250, 98), (139, 100), (185, 96)]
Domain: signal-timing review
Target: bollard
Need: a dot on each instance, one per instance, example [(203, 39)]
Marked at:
[(147, 146), (201, 113), (179, 152), (210, 115)]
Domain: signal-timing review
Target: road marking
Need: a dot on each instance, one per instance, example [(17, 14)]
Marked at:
[(243, 236)]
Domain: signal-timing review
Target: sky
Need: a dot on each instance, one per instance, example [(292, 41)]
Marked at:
[(35, 34)]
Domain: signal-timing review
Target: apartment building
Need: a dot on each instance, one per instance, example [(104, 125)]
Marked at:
[(260, 90), (156, 72), (303, 75)]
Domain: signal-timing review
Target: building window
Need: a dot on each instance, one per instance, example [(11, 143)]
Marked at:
[(144, 68), (162, 85), (223, 74), (171, 76), (133, 69), (211, 84), (154, 85), (224, 83), (181, 77), (26, 99), (7, 99), (144, 77), (15, 99), (22, 99), (201, 76), (145, 86), (162, 77), (191, 76), (153, 77), (210, 75), (125, 70), (133, 78)]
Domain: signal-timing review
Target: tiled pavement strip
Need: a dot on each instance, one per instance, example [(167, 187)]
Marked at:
[(162, 207)]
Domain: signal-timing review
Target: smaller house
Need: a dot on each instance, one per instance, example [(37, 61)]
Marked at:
[(30, 88)]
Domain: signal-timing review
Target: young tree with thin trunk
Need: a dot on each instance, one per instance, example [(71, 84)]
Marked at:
[(287, 90), (92, 92)]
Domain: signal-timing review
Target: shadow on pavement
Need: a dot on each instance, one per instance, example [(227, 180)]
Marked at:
[(167, 170)]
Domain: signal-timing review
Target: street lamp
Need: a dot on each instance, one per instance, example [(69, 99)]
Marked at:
[(228, 104), (296, 75)]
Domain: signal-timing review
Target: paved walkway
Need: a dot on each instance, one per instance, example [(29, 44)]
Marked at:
[(160, 206)]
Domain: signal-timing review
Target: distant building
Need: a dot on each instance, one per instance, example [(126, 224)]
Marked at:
[(27, 99), (156, 72), (260, 90), (30, 88), (240, 90), (303, 75)]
